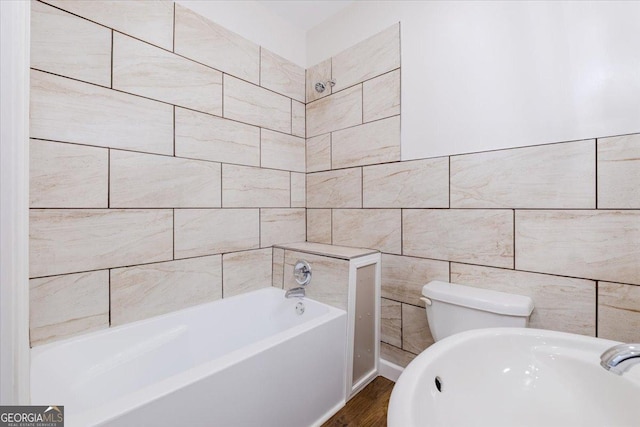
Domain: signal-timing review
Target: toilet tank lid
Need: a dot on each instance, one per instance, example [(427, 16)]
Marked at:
[(480, 299)]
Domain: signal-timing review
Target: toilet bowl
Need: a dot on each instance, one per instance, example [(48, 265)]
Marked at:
[(453, 308)]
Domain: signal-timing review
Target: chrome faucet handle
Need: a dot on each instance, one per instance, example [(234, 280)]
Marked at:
[(619, 358), (302, 272)]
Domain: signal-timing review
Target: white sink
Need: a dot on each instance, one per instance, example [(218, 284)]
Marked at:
[(515, 377)]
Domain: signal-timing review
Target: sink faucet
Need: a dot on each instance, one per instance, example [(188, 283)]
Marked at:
[(298, 292), (620, 357)]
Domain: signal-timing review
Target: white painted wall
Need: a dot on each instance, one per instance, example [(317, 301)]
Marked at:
[(257, 23), (489, 75)]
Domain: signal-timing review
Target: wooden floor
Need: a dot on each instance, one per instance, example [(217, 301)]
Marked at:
[(367, 409)]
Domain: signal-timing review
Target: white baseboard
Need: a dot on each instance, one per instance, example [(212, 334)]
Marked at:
[(329, 414), (389, 370)]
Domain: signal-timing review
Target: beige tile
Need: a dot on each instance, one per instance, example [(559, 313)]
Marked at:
[(416, 335), (338, 111), (150, 20), (319, 225), (68, 45), (150, 290), (381, 97), (281, 75), (334, 251), (368, 228), (413, 184), (201, 136), (335, 189), (320, 72), (254, 105), (330, 281), (207, 42), (391, 322), (619, 312), (403, 277), (245, 187), (376, 142), (67, 175), (281, 151), (146, 70), (601, 245), (278, 268), (369, 58), (71, 111), (246, 271), (63, 306), (298, 190), (395, 355), (619, 172), (319, 153), (547, 176), (472, 236), (213, 231), (560, 303), (298, 119), (67, 240), (149, 181), (278, 226)]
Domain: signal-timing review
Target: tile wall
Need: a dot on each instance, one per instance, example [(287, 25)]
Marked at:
[(167, 157), (558, 222)]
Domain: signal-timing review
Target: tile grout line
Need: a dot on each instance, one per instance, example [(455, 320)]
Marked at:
[(596, 174), (109, 274), (111, 59)]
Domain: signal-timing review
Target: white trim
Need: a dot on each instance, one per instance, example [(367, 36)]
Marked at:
[(389, 370), (330, 413), (14, 202)]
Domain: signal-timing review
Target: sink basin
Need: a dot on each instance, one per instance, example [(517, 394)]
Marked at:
[(514, 377)]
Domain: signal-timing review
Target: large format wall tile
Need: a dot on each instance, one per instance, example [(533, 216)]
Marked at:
[(319, 73), (368, 228), (281, 75), (62, 306), (318, 153), (202, 136), (560, 303), (213, 231), (298, 190), (381, 97), (335, 189), (257, 106), (150, 290), (403, 277), (71, 111), (246, 187), (602, 245), (369, 58), (619, 172), (319, 225), (471, 236), (65, 44), (281, 151), (376, 142), (150, 20), (67, 175), (619, 312), (330, 283), (149, 181), (416, 335), (278, 226), (547, 176), (413, 184), (67, 240), (338, 111), (146, 70), (298, 119), (391, 322), (395, 355), (246, 271), (207, 42)]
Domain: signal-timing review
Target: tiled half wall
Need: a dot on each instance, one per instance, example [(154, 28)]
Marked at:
[(167, 157)]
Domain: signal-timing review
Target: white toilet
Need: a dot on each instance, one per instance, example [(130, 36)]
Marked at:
[(455, 308)]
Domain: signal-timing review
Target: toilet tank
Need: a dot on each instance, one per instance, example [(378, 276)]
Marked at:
[(453, 308)]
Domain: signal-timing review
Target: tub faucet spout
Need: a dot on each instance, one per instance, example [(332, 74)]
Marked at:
[(295, 292), (620, 357)]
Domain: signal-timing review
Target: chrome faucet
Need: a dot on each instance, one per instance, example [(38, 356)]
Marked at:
[(302, 274), (620, 357), (298, 292)]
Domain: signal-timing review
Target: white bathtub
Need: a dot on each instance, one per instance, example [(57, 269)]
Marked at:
[(248, 360)]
